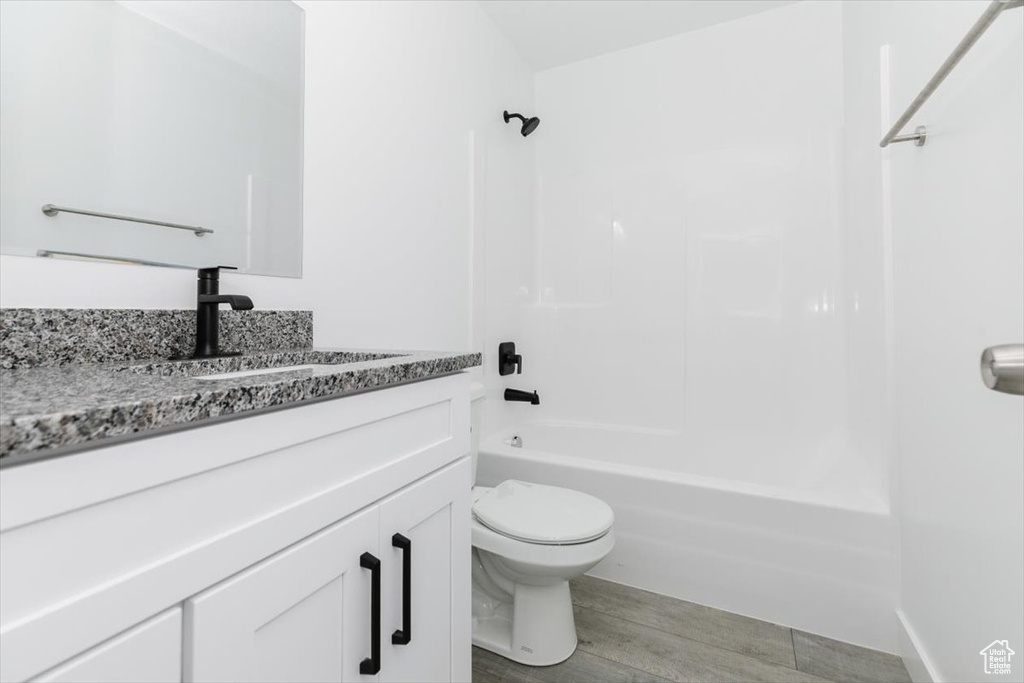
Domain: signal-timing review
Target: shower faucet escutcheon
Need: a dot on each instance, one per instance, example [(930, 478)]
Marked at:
[(508, 360)]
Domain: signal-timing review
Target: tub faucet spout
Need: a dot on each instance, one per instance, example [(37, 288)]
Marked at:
[(524, 396)]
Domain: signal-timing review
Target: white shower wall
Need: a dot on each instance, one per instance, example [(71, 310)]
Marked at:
[(687, 269), (957, 216)]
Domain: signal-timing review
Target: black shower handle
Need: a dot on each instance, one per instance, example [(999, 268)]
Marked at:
[(403, 636), (508, 359), (371, 665)]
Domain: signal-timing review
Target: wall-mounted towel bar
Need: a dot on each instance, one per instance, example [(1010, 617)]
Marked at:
[(79, 256), (51, 210), (991, 13)]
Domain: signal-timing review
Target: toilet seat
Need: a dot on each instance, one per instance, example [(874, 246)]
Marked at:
[(541, 554), (544, 515)]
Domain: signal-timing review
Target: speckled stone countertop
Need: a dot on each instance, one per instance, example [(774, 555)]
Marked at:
[(34, 337), (54, 410)]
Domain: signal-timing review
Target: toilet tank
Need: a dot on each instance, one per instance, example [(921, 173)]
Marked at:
[(476, 409)]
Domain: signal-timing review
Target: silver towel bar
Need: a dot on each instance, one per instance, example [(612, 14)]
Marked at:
[(79, 256), (991, 13), (51, 210)]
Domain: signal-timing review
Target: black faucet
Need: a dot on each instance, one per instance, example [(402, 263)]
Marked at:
[(208, 313), (524, 396)]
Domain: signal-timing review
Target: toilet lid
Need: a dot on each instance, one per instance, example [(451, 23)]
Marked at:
[(543, 514)]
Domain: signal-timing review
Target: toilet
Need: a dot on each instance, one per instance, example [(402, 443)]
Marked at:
[(529, 540)]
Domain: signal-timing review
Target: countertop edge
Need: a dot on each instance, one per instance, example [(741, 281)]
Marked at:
[(31, 437)]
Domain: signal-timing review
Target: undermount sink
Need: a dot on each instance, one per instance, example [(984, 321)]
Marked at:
[(275, 362), (264, 371)]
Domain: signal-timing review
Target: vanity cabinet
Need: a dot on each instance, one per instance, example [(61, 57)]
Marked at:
[(426, 565), (307, 613), (248, 550), (301, 615)]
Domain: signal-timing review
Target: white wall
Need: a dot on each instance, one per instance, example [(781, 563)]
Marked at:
[(866, 244), (505, 256), (394, 94), (957, 217), (689, 272)]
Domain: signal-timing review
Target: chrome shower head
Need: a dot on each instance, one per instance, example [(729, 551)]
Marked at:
[(529, 124)]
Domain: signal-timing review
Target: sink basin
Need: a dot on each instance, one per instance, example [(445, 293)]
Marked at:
[(252, 373), (248, 365)]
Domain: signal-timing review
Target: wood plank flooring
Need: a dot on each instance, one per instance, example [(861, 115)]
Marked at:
[(628, 635)]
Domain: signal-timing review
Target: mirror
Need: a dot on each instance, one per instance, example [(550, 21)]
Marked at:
[(170, 111)]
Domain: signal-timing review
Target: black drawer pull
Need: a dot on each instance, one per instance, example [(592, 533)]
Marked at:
[(404, 635), (371, 665)]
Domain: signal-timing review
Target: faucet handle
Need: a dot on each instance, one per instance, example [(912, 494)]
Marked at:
[(508, 360)]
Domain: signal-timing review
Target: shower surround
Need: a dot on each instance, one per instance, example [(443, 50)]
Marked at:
[(691, 306)]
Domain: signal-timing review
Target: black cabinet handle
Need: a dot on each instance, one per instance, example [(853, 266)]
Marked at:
[(371, 665), (403, 635)]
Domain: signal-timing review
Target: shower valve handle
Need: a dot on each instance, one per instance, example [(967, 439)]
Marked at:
[(508, 360)]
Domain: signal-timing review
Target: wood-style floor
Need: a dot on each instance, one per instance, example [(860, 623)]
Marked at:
[(630, 635)]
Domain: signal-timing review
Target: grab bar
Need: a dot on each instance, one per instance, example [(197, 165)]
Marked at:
[(51, 210), (919, 135)]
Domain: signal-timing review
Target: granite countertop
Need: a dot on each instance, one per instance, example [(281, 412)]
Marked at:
[(55, 410)]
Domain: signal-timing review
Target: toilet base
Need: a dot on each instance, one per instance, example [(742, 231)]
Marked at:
[(536, 627)]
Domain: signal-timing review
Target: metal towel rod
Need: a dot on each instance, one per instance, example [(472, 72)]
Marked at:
[(51, 210), (50, 253), (919, 135)]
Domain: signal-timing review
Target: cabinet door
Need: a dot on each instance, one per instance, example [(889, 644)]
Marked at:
[(433, 515), (301, 615), (150, 652)]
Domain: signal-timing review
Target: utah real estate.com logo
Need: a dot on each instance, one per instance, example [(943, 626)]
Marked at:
[(997, 657)]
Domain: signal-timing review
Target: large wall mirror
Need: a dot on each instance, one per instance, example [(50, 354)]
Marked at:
[(185, 114)]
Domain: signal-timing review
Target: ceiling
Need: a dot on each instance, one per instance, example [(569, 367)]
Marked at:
[(550, 33)]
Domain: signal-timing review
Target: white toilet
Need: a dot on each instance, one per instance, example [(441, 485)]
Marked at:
[(528, 541)]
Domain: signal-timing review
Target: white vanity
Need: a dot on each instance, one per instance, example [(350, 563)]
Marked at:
[(323, 533), (256, 549)]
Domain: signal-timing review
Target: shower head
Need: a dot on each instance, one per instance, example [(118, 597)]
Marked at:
[(529, 124)]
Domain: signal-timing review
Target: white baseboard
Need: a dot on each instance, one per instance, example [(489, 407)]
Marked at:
[(919, 665)]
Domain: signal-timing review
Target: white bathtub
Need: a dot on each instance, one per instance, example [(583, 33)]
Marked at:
[(804, 544)]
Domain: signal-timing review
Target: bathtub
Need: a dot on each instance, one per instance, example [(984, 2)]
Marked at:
[(803, 543)]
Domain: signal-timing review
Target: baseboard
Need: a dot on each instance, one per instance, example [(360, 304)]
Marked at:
[(915, 657)]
